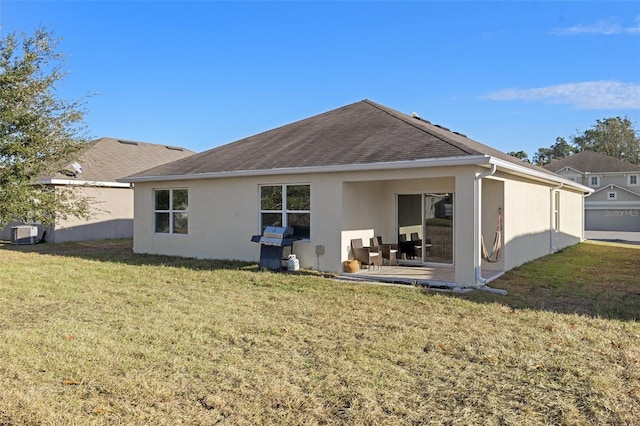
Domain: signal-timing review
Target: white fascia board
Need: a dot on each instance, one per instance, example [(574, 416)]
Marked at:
[(630, 172), (431, 162), (539, 175), (84, 183)]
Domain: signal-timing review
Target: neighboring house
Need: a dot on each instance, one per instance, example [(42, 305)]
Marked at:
[(94, 175), (355, 172), (615, 204)]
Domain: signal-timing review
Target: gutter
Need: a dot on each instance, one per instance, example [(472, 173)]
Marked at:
[(117, 184), (547, 177), (394, 165), (478, 235)]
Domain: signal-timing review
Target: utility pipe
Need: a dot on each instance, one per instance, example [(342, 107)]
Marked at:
[(478, 236), (554, 207)]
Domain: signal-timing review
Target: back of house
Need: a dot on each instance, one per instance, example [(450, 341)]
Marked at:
[(357, 172)]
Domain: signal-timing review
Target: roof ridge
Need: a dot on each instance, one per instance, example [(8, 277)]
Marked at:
[(400, 116), (140, 143), (605, 156), (587, 152)]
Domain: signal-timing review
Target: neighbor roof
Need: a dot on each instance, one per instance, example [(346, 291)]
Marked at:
[(108, 159), (360, 133), (592, 162)]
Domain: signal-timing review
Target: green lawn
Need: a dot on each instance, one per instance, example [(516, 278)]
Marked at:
[(93, 334)]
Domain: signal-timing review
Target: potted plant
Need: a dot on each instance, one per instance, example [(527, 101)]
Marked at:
[(351, 266)]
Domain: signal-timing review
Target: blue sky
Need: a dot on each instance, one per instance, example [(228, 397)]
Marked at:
[(514, 75)]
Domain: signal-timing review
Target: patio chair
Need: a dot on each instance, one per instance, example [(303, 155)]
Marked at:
[(405, 247), (389, 251), (417, 245), (369, 256)]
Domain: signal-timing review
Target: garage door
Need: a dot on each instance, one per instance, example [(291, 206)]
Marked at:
[(612, 220)]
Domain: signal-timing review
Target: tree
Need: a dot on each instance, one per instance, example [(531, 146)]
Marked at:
[(39, 133), (560, 149), (615, 137), (520, 155)]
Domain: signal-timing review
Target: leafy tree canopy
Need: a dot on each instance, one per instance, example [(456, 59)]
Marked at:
[(560, 149), (615, 137), (39, 133), (520, 155)]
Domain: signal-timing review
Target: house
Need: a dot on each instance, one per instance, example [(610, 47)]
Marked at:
[(94, 175), (615, 203), (358, 171)]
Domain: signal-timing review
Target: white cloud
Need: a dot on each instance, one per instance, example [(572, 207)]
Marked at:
[(601, 27), (586, 95)]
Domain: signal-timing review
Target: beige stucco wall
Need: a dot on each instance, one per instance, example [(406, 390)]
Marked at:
[(529, 219), (224, 214), (571, 227), (111, 217)]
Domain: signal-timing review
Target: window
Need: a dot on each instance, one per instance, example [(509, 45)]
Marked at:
[(633, 180), (612, 195), (286, 205), (171, 210), (594, 181), (556, 211)]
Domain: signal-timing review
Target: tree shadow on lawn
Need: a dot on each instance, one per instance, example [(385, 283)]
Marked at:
[(121, 251), (587, 279), (618, 304)]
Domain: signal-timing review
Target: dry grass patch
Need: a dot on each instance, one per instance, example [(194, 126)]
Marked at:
[(92, 334)]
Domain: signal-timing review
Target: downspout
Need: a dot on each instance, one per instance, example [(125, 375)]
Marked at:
[(552, 231), (478, 253)]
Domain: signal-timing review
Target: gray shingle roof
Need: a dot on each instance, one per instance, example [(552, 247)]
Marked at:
[(593, 162), (108, 159), (360, 133)]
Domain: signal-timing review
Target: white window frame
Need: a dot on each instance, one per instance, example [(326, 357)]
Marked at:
[(612, 195), (633, 177), (597, 181), (285, 211), (171, 211), (556, 211)]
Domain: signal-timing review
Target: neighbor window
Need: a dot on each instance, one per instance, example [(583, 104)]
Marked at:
[(286, 205), (633, 180), (171, 211), (594, 181), (612, 195)]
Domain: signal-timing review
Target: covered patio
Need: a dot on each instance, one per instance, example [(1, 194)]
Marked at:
[(429, 276)]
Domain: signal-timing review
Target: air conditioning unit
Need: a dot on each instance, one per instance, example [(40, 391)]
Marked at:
[(24, 234)]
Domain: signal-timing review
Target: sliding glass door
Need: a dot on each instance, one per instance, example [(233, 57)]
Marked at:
[(425, 228)]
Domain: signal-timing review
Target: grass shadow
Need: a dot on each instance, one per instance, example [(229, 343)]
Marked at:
[(597, 280), (121, 251)]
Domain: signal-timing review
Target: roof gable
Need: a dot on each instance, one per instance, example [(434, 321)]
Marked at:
[(611, 186), (592, 162), (357, 134)]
